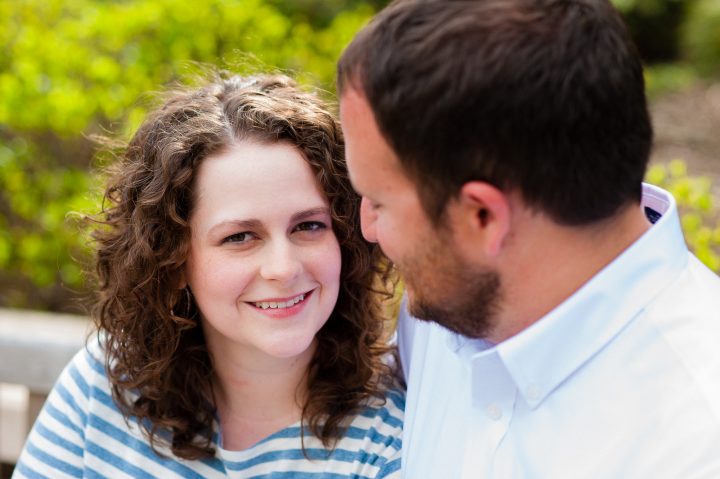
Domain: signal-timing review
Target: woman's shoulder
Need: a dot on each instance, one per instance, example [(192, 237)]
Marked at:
[(88, 362), (84, 385), (389, 403), (375, 435), (83, 381), (383, 414)]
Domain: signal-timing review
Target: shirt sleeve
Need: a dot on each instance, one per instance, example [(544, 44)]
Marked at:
[(55, 446)]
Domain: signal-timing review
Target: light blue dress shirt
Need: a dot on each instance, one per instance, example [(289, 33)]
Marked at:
[(622, 380)]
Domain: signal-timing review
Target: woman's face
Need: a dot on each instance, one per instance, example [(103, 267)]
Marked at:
[(264, 263)]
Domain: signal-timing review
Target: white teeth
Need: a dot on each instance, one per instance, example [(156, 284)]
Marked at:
[(279, 305)]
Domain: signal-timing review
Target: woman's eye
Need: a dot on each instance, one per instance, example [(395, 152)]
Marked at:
[(243, 237), (311, 226)]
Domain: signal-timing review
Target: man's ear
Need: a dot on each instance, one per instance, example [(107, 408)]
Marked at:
[(481, 217)]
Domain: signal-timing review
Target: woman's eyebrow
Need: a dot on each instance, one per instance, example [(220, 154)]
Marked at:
[(254, 224), (250, 224), (302, 215)]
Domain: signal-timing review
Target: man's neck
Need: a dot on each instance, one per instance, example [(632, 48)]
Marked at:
[(545, 271)]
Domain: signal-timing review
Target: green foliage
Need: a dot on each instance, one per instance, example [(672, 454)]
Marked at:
[(655, 26), (667, 77), (676, 30), (69, 65), (69, 70), (321, 13), (700, 215), (39, 245), (701, 36)]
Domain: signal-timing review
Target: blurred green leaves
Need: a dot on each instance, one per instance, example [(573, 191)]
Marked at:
[(38, 244), (701, 36), (699, 214), (670, 31), (71, 65)]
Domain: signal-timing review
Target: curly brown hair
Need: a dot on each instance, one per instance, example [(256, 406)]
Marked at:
[(157, 361)]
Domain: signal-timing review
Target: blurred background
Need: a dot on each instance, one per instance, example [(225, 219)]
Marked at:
[(70, 70)]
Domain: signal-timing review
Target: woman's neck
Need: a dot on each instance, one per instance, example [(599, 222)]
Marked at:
[(257, 395)]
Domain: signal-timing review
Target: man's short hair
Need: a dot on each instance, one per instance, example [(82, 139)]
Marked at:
[(545, 97)]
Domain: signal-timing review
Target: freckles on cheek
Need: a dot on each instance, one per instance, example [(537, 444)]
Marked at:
[(231, 273), (223, 276), (328, 261)]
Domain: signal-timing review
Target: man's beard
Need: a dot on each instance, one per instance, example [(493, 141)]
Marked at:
[(446, 290)]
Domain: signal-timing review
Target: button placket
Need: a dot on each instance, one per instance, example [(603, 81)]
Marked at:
[(494, 411), (533, 392), (494, 394)]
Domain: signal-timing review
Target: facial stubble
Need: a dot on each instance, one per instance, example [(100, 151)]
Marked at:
[(447, 290)]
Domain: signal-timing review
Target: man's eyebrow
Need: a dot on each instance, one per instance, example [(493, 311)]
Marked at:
[(302, 215)]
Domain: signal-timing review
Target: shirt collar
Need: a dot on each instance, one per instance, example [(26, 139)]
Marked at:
[(543, 355)]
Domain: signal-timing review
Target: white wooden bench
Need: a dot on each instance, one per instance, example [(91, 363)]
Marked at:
[(34, 348)]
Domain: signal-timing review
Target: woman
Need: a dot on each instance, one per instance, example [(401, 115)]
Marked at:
[(239, 332)]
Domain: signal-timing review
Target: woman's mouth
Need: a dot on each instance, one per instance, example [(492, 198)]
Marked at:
[(280, 304)]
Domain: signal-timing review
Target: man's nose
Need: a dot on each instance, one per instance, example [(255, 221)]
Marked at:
[(368, 219)]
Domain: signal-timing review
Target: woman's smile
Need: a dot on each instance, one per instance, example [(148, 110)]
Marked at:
[(282, 307)]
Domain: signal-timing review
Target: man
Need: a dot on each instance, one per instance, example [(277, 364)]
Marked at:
[(563, 329)]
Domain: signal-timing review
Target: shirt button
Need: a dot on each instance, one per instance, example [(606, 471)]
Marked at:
[(493, 411), (533, 392)]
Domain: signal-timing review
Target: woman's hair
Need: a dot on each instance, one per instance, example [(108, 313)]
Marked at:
[(157, 359)]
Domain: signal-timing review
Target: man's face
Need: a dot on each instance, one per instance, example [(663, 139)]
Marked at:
[(441, 285)]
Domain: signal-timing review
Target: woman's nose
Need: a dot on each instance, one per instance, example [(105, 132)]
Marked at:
[(282, 262)]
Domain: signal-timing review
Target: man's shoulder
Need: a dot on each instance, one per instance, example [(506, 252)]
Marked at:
[(687, 311), (687, 316), (693, 294)]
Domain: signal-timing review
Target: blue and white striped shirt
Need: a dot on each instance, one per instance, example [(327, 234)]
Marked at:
[(81, 433)]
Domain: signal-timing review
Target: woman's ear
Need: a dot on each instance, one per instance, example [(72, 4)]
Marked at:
[(182, 282), (481, 218)]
